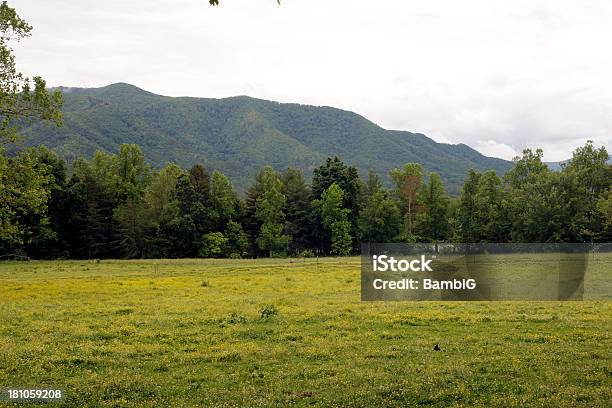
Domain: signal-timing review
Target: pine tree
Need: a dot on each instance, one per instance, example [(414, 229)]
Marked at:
[(434, 221), (297, 210)]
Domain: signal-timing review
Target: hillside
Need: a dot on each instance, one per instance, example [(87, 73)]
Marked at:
[(238, 135)]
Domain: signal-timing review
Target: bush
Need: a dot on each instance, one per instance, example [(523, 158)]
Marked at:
[(235, 318), (213, 245), (268, 311), (307, 253)]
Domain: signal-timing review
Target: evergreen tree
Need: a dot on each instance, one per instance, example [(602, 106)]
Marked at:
[(135, 228), (371, 187), (251, 223), (297, 210), (94, 188), (434, 224), (467, 216), (200, 180), (191, 221)]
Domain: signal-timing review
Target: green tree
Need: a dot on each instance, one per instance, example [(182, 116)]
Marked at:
[(161, 199), (20, 97), (113, 217), (468, 219), (25, 186), (380, 220), (161, 194), (492, 209), (527, 167), (223, 201), (372, 186), (594, 177), (50, 232), (237, 240), (604, 209), (335, 219), (590, 165), (433, 224), (193, 197), (134, 229), (347, 178), (93, 187), (22, 191), (547, 206), (200, 180), (251, 223), (269, 212), (188, 232), (297, 210), (130, 172), (536, 212)]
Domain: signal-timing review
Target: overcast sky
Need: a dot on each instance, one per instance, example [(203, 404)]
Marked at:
[(496, 75)]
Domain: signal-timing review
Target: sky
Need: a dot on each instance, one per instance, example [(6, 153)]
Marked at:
[(498, 76)]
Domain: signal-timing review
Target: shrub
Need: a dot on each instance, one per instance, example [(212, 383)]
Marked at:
[(235, 318), (307, 253), (268, 311), (213, 245)]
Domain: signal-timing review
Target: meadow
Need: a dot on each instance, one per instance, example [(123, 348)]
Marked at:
[(287, 332)]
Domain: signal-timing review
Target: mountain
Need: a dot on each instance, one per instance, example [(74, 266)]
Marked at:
[(238, 135)]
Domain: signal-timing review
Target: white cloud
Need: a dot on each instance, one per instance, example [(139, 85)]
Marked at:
[(488, 73), (495, 149)]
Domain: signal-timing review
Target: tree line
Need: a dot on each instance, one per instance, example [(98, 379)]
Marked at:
[(116, 205)]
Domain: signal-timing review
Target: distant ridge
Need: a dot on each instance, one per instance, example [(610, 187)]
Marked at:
[(238, 135)]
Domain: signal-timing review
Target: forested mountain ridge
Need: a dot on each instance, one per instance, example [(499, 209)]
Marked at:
[(239, 135)]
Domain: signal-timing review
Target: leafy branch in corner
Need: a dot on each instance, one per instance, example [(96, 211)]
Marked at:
[(20, 97)]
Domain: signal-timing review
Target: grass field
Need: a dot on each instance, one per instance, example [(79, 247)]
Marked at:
[(282, 332)]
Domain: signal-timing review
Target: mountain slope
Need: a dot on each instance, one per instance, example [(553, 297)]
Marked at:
[(239, 135)]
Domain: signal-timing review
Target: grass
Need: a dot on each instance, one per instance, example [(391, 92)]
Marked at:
[(286, 333)]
